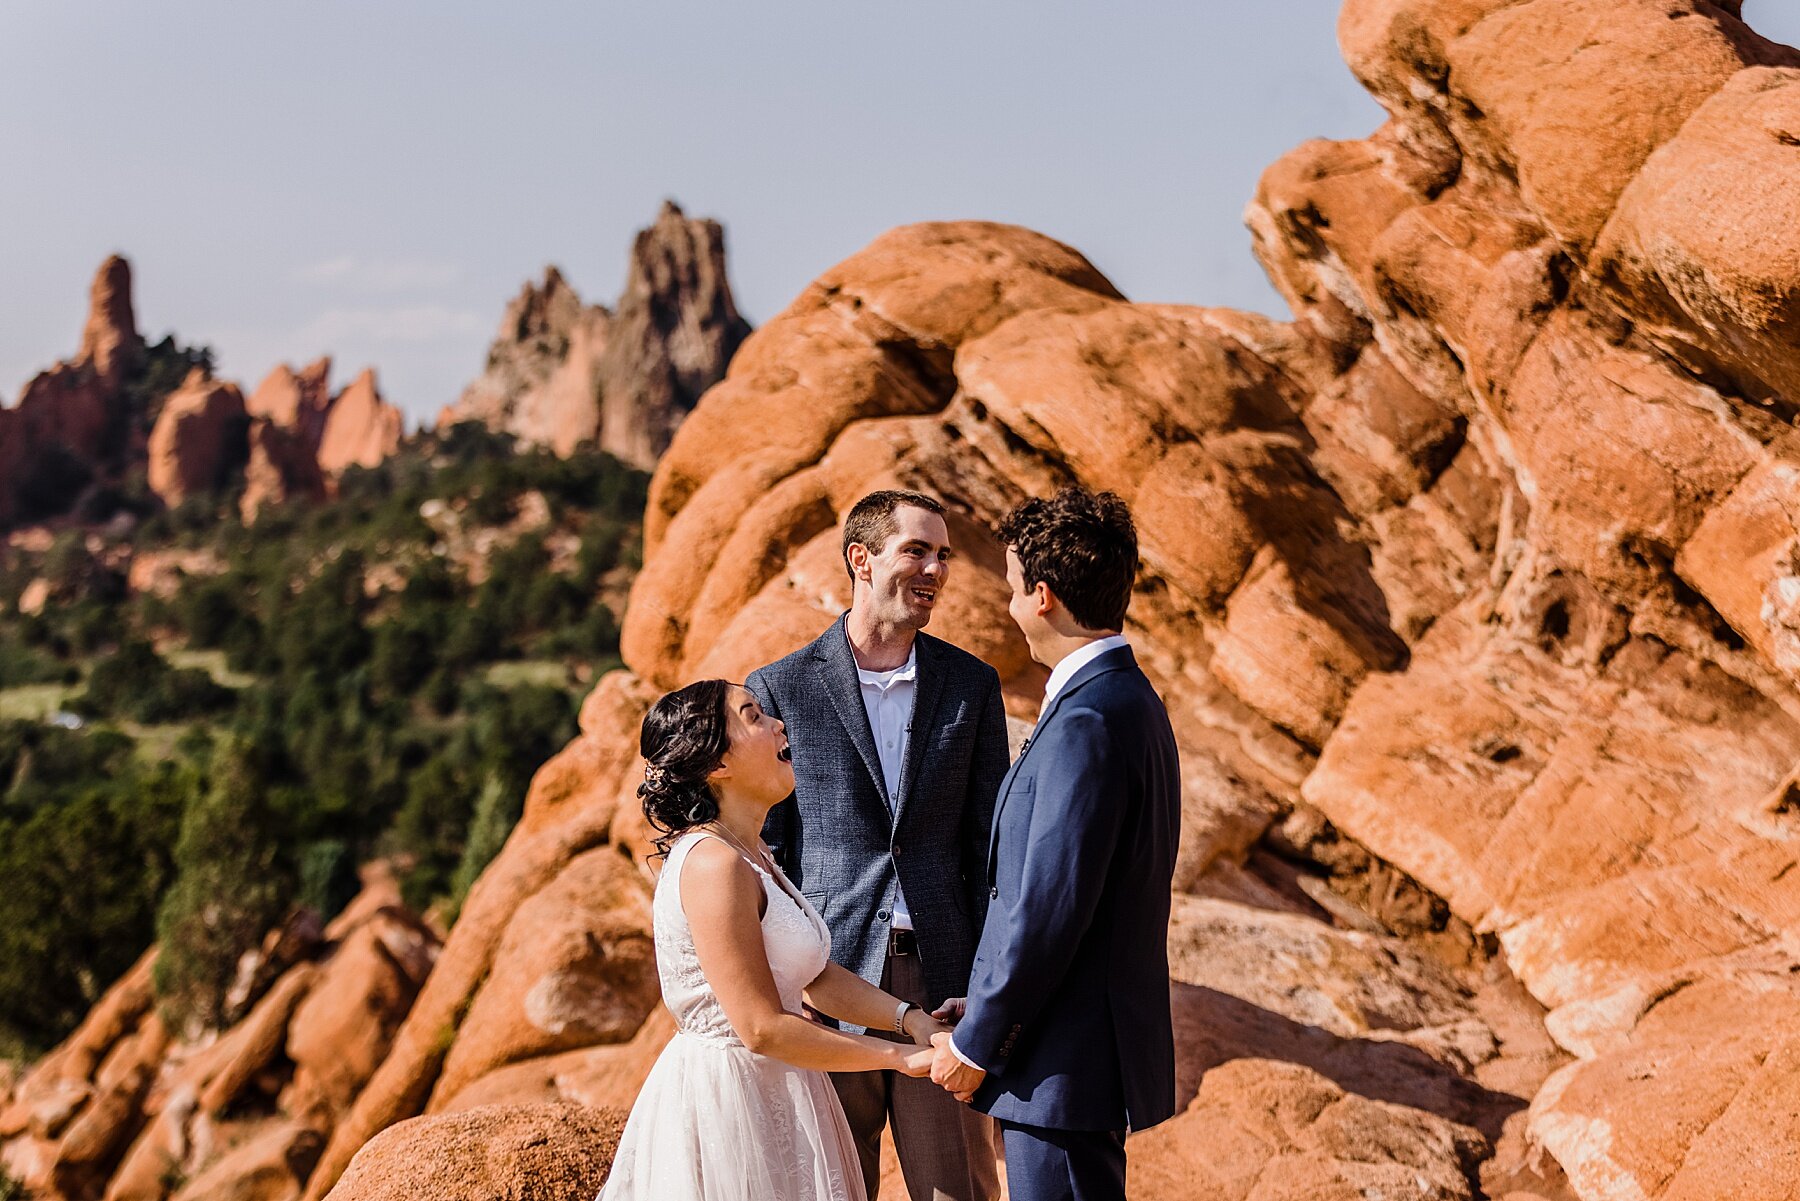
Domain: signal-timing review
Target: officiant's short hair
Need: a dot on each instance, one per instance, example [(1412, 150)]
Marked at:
[(1084, 545), (871, 520)]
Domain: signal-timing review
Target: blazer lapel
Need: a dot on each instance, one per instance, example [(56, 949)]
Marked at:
[(928, 689), (837, 674), (1112, 660)]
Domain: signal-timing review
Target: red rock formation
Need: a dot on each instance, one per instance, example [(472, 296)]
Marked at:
[(560, 373), (122, 1110), (361, 429), (68, 420), (542, 378), (109, 341), (198, 437), (297, 401), (281, 467), (673, 333)]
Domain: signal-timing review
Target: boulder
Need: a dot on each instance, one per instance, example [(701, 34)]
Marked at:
[(197, 440), (576, 967), (1267, 1131), (270, 1166), (530, 1152)]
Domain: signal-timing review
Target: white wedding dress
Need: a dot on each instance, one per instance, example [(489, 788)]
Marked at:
[(716, 1121)]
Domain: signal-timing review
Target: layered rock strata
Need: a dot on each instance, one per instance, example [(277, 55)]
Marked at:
[(561, 373)]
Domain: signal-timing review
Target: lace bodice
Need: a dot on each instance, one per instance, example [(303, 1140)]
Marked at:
[(794, 937)]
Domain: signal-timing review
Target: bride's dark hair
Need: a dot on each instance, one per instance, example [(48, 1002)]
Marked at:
[(685, 736)]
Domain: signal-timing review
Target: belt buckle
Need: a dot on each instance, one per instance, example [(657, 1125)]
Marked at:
[(902, 942)]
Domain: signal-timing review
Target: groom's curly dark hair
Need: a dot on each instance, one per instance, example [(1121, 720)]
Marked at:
[(1084, 545)]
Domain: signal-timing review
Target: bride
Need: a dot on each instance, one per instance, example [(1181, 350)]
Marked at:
[(738, 1107)]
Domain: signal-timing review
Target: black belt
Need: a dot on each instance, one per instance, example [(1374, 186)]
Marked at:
[(902, 942)]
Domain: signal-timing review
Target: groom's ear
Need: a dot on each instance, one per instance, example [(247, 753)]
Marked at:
[(1044, 598), (858, 555)]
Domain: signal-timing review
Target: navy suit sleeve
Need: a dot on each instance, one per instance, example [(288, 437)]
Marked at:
[(1032, 931), (780, 826), (985, 773)]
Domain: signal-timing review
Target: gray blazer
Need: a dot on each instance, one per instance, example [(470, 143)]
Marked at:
[(842, 843)]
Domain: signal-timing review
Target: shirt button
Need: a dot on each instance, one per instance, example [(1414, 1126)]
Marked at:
[(881, 915), (994, 894)]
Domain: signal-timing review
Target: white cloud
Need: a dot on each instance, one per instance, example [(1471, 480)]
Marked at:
[(379, 275), (413, 323)]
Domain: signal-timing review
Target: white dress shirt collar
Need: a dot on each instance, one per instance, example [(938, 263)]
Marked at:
[(908, 670), (1075, 661)]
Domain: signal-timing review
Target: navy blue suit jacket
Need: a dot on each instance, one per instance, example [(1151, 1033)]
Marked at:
[(1069, 1002), (848, 845)]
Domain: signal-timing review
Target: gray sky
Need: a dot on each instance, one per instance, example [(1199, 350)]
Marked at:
[(375, 179)]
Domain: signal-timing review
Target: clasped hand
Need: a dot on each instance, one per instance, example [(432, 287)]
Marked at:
[(948, 1071), (932, 1030)]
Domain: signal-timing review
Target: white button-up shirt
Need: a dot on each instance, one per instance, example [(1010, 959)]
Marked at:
[(888, 699)]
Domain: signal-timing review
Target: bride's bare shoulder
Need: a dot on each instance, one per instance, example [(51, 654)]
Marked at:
[(711, 867)]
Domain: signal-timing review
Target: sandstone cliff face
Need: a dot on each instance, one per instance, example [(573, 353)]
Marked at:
[(560, 372)]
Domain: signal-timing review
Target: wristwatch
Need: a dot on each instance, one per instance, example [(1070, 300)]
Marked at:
[(900, 1016)]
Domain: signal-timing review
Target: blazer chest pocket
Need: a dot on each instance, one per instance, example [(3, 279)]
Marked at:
[(956, 732), (818, 898)]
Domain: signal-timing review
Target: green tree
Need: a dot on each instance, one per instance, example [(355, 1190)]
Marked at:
[(496, 813), (231, 886), (86, 846)]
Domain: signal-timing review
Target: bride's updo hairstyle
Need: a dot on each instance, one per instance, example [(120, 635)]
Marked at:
[(685, 736)]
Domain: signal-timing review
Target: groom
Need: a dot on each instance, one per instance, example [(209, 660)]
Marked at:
[(1066, 1037), (899, 743)]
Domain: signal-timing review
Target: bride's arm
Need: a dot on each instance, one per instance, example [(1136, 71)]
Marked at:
[(722, 896), (842, 994)]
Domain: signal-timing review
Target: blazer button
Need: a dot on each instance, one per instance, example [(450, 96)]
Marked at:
[(896, 849), (994, 893), (881, 915)]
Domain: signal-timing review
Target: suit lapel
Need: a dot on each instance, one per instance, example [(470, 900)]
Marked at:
[(1112, 660), (928, 689), (837, 674)]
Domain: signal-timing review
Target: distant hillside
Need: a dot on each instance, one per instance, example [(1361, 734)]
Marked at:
[(375, 674)]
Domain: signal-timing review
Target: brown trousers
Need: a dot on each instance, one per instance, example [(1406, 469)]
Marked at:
[(946, 1149)]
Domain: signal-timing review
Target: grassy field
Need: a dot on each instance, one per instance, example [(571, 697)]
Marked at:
[(548, 672), (213, 663), (34, 702)]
